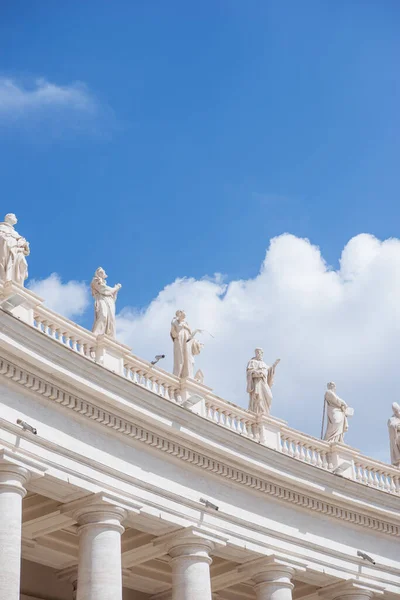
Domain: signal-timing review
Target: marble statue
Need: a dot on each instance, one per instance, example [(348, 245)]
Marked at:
[(337, 411), (394, 435), (186, 347), (13, 252), (260, 378), (104, 304)]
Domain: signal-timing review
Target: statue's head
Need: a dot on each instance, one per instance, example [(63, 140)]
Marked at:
[(11, 219), (100, 272), (180, 315), (331, 385), (259, 352), (396, 409)]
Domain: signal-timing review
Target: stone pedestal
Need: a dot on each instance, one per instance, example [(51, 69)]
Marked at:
[(190, 562), (99, 566), (274, 583), (12, 481)]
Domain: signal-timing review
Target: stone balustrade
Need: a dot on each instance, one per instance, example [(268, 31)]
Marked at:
[(192, 395), (66, 332), (304, 447), (230, 416), (376, 474), (152, 378)]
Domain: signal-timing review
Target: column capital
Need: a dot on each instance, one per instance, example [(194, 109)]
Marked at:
[(273, 569), (180, 543), (100, 509), (15, 471), (350, 589)]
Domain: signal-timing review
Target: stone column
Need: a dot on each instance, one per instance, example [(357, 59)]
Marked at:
[(274, 582), (190, 562), (351, 589), (12, 481), (99, 566)]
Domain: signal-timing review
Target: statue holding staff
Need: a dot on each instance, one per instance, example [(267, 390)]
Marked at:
[(260, 379), (394, 435), (13, 252), (337, 411), (104, 304), (185, 346)]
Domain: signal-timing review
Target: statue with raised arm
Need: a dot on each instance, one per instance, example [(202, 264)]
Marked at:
[(104, 304), (13, 252), (260, 379), (394, 435), (186, 347), (337, 412)]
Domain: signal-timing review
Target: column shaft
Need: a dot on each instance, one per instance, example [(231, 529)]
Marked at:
[(274, 583), (191, 571), (99, 568), (12, 481)]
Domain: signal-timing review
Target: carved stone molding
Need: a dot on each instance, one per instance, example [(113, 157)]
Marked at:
[(178, 450)]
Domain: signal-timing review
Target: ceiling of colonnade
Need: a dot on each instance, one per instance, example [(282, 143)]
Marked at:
[(50, 538)]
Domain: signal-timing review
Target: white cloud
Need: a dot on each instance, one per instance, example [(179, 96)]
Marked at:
[(325, 325), (69, 299), (17, 100)]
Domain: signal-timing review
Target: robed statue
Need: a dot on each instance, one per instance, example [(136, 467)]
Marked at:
[(337, 413), (104, 304), (260, 379), (394, 435), (13, 252), (186, 347)]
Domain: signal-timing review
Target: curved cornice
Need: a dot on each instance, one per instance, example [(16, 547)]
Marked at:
[(177, 449)]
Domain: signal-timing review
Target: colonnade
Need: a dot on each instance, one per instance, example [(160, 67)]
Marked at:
[(99, 573)]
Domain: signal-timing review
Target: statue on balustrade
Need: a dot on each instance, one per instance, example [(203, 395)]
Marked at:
[(186, 347), (260, 379), (394, 435), (337, 412), (104, 304), (13, 252)]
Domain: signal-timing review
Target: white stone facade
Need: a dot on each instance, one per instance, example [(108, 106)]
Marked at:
[(116, 496)]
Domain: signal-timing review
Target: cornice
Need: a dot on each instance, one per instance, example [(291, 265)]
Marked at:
[(62, 367), (178, 450)]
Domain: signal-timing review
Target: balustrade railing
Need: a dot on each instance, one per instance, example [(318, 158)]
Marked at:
[(306, 448), (377, 475), (151, 378), (65, 332), (290, 442), (230, 416)]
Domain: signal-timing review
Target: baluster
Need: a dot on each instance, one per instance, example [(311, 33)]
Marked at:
[(370, 477), (297, 447), (365, 475)]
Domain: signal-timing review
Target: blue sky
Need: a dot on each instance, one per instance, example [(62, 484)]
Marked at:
[(165, 140), (225, 123)]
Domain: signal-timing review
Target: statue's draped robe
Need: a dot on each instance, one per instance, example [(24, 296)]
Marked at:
[(394, 437), (183, 357), (13, 249), (260, 378), (337, 420), (104, 307)]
